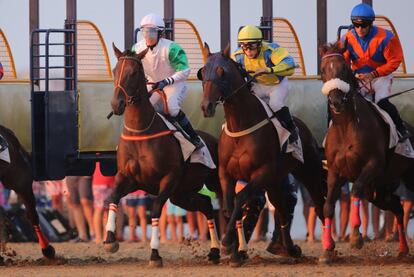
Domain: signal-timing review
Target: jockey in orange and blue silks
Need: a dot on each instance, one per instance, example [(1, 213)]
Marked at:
[(258, 56), (374, 54), (166, 65)]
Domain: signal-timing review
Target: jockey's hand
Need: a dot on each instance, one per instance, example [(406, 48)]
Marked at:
[(162, 84), (365, 77), (261, 70)]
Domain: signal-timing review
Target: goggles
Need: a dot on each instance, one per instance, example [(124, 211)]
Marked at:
[(249, 46), (149, 32), (363, 24)]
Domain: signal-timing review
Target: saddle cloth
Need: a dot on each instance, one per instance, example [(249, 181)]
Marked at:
[(401, 148), (5, 155), (296, 147), (201, 155)]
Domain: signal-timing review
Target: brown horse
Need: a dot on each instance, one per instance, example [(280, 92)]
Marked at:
[(17, 175), (255, 156), (149, 158), (357, 150)]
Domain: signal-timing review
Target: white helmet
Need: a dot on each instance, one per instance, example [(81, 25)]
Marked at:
[(153, 20)]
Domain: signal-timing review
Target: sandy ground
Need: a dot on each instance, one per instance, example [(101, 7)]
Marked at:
[(188, 259)]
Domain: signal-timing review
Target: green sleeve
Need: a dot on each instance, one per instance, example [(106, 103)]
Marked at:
[(178, 58)]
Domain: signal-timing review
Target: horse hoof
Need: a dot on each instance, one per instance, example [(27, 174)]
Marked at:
[(295, 251), (155, 263), (357, 243), (243, 256), (111, 247), (226, 249), (49, 252), (236, 263), (214, 256), (327, 257), (403, 253), (276, 248)]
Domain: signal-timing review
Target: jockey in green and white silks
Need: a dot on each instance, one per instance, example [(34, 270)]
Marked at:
[(166, 65)]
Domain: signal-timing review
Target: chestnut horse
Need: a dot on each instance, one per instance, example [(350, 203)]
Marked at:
[(357, 150), (255, 156), (17, 175), (149, 158)]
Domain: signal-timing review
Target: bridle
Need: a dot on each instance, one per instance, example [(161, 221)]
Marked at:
[(130, 99)]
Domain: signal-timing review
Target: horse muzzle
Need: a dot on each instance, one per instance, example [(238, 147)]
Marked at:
[(118, 107), (209, 108)]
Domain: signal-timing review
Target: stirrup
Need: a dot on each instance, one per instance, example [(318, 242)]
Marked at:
[(403, 135), (294, 135), (197, 142)]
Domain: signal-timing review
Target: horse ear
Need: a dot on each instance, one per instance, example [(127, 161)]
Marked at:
[(322, 49), (207, 52), (117, 52), (142, 54), (226, 51)]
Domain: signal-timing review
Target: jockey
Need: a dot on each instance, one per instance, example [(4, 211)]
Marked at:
[(3, 144), (374, 54), (258, 56), (166, 65)]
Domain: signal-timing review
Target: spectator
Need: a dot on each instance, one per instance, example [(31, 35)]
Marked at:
[(308, 212), (175, 221), (55, 190), (81, 202), (102, 187), (407, 198), (137, 202)]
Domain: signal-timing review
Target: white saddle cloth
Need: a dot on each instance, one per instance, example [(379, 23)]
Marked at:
[(5, 155), (201, 155)]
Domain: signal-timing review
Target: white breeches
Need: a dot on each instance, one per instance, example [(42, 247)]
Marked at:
[(275, 96), (381, 86), (175, 94)]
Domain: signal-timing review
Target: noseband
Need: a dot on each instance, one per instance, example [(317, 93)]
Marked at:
[(131, 99)]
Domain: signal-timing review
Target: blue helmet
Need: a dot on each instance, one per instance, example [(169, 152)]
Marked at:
[(363, 12)]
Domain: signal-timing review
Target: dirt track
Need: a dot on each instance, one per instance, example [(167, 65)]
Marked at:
[(188, 259)]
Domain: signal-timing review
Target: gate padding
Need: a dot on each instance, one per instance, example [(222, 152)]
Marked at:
[(6, 58), (285, 35)]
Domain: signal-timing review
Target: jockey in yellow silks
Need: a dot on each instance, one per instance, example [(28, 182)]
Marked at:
[(166, 65), (257, 56)]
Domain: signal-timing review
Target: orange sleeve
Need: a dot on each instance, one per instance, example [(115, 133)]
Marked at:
[(393, 54)]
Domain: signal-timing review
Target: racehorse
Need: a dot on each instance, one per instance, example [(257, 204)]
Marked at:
[(17, 175), (357, 150), (149, 158), (254, 154)]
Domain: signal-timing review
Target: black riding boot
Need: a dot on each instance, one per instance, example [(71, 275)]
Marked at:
[(283, 115), (3, 143), (387, 106), (183, 122)]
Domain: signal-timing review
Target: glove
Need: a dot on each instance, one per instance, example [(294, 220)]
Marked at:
[(162, 84)]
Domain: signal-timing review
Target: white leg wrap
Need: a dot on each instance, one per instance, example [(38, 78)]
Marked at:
[(155, 241), (213, 234), (110, 225), (240, 233)]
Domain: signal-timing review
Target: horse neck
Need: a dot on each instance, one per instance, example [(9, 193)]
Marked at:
[(243, 110), (139, 115)]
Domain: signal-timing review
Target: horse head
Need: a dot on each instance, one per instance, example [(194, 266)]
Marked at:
[(339, 80), (129, 80), (219, 75)]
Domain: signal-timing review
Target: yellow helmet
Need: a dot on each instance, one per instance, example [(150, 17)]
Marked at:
[(250, 33)]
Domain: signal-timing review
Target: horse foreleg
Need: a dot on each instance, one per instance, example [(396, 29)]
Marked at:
[(368, 174), (228, 188), (334, 189), (167, 185), (30, 203), (123, 186)]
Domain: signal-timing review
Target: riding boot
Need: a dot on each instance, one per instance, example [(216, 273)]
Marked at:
[(283, 115), (183, 122), (387, 106), (3, 143)]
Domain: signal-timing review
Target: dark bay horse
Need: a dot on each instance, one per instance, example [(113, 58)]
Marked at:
[(149, 158), (357, 150), (255, 156), (17, 175)]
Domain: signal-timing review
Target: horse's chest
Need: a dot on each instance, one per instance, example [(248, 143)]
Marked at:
[(241, 164), (347, 163)]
